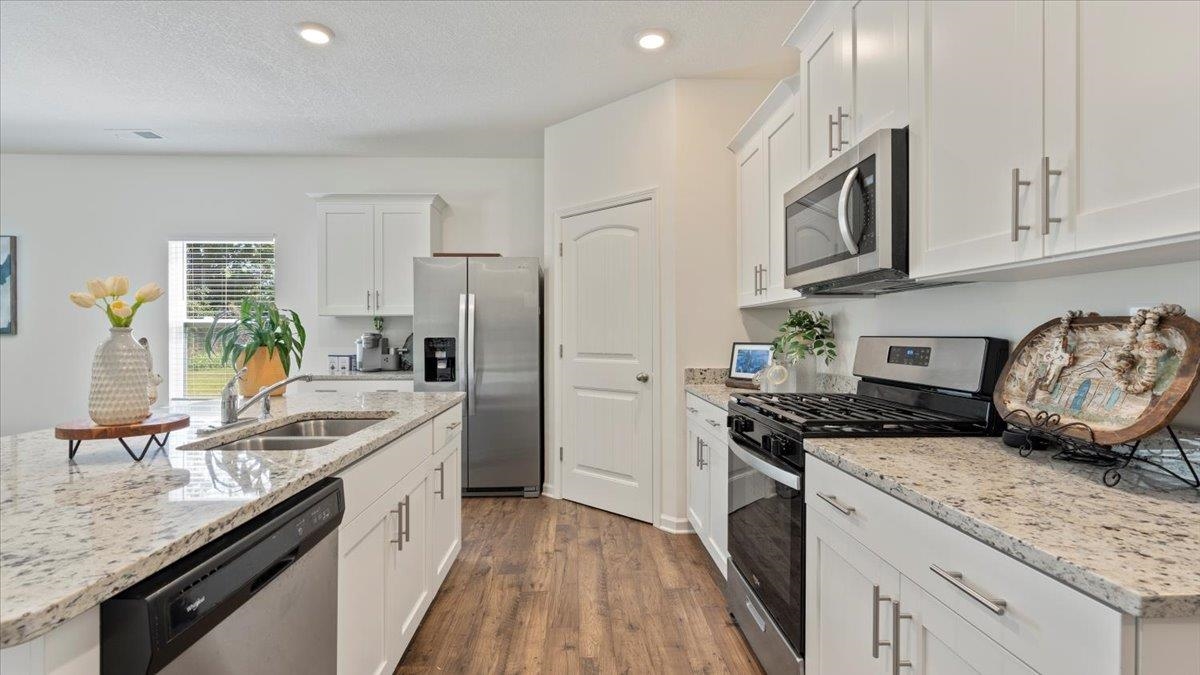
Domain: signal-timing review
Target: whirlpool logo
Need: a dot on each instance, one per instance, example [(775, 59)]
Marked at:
[(195, 604)]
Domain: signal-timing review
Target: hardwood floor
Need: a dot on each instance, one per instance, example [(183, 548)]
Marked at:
[(549, 586)]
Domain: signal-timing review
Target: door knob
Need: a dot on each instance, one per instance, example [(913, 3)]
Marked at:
[(642, 377)]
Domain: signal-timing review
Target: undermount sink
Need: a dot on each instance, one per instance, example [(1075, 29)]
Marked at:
[(303, 435), (319, 428), (278, 443)]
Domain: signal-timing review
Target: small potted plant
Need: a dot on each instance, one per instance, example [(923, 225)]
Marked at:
[(803, 334), (264, 339)]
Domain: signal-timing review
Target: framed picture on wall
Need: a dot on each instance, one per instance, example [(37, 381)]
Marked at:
[(8, 285), (748, 358)]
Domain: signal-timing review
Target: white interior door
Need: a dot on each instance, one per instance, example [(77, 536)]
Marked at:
[(608, 380)]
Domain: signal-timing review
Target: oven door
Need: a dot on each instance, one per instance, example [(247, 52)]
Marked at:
[(766, 535)]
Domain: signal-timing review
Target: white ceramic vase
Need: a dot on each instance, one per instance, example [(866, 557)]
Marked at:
[(120, 378)]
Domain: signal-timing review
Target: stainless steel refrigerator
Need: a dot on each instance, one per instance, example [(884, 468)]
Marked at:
[(477, 328)]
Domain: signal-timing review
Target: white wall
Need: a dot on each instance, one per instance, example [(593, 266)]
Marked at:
[(78, 217), (999, 309), (671, 138)]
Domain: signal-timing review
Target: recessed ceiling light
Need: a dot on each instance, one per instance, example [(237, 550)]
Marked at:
[(315, 33), (652, 39)]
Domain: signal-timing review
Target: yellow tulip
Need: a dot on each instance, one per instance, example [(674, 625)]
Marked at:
[(117, 285), (98, 288), (121, 309), (148, 293), (84, 300)]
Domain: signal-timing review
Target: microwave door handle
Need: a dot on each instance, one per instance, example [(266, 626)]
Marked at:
[(842, 214)]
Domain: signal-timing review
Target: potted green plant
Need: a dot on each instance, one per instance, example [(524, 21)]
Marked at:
[(801, 335), (263, 338)]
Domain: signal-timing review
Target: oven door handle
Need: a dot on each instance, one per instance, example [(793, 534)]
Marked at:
[(843, 214), (776, 473)]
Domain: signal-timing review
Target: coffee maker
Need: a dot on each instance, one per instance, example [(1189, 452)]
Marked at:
[(370, 348)]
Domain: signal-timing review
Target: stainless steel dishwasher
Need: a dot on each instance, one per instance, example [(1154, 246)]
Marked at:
[(260, 599)]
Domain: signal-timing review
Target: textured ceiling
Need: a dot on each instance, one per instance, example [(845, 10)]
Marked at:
[(400, 78)]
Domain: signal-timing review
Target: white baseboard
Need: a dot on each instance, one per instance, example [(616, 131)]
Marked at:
[(548, 490), (673, 524)]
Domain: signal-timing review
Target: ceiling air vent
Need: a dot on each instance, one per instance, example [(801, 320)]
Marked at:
[(135, 134)]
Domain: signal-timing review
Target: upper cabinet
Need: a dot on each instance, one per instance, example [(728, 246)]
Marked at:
[(1061, 133), (365, 250)]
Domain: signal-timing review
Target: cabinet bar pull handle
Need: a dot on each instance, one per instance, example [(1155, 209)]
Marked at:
[(399, 540), (703, 462), (897, 663), (832, 500), (831, 148), (713, 424), (376, 298), (758, 620), (368, 301), (1016, 204), (994, 606), (452, 426), (876, 643), (407, 518), (697, 452), (441, 491), (692, 410), (1046, 173), (841, 116)]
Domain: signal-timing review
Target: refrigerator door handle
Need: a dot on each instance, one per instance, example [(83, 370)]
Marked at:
[(470, 347), (461, 348)]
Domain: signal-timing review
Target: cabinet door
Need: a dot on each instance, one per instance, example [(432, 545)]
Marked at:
[(697, 482), (847, 590), (401, 234), (445, 522), (783, 139), (936, 641), (879, 40), (825, 78), (345, 260), (718, 505), (983, 89), (753, 229), (364, 561), (1122, 111), (408, 575)]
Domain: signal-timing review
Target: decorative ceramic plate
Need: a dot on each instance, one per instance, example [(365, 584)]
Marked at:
[(1090, 391)]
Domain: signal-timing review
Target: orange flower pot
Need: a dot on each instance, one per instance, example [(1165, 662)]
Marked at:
[(261, 371)]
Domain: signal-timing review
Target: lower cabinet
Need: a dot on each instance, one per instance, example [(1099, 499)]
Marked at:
[(707, 478), (395, 553), (445, 509)]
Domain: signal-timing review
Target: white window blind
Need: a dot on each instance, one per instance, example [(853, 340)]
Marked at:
[(207, 278)]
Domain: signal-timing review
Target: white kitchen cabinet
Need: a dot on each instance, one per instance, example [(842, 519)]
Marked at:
[(1052, 137), (697, 483), (826, 85), (752, 227), (345, 250), (879, 63), (783, 141), (707, 478), (399, 538), (366, 243), (1122, 122), (364, 572), (408, 576), (936, 641), (982, 132), (848, 592), (445, 521)]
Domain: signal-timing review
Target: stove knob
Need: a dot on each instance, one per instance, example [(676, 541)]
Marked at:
[(742, 425)]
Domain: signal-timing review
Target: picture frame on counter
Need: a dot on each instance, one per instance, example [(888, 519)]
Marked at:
[(746, 359)]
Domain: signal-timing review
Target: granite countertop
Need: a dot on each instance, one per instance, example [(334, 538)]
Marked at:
[(716, 394), (1135, 546), (370, 375), (74, 533)]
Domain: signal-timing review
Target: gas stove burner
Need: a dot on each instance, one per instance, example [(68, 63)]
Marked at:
[(857, 415)]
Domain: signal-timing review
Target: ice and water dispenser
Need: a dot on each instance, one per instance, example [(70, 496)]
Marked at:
[(439, 359)]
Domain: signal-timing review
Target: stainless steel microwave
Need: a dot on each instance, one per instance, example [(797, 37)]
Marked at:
[(846, 228)]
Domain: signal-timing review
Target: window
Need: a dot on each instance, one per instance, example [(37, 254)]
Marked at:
[(208, 278)]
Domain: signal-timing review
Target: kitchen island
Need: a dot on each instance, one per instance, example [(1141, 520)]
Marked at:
[(74, 533)]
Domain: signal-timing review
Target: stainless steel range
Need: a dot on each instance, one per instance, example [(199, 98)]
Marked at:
[(910, 386)]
